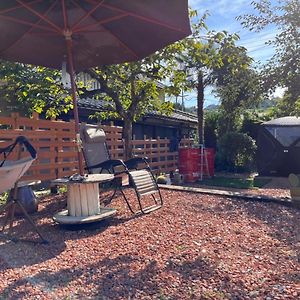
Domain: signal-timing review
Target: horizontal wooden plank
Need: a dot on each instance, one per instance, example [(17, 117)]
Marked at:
[(63, 144), (41, 166), (42, 123), (48, 155), (67, 154), (30, 134), (112, 128), (66, 173), (37, 177), (6, 120)]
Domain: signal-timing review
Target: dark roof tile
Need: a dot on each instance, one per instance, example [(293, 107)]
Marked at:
[(176, 115)]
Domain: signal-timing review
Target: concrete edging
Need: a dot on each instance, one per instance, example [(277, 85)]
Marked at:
[(222, 193)]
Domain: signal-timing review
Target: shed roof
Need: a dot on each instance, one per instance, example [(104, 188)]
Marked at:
[(284, 121)]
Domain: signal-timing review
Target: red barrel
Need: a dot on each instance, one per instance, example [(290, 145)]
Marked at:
[(188, 163)]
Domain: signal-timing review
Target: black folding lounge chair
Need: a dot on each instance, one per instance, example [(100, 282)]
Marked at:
[(10, 173), (137, 169)]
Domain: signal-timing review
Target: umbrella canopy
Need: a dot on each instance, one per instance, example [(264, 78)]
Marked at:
[(102, 32), (88, 33)]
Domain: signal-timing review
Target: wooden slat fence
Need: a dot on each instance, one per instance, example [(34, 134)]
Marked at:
[(114, 141), (158, 152), (53, 140), (55, 145)]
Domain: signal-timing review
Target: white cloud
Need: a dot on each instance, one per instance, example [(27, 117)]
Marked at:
[(223, 15), (256, 44), (279, 92), (256, 40)]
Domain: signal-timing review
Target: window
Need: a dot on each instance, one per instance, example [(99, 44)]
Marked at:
[(285, 135)]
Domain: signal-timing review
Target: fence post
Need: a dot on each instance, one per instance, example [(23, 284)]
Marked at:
[(34, 127), (133, 146), (56, 149), (158, 149), (15, 123)]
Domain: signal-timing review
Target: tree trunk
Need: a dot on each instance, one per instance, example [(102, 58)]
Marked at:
[(127, 135), (200, 104)]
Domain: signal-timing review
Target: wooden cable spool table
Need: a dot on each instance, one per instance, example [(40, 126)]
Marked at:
[(83, 200)]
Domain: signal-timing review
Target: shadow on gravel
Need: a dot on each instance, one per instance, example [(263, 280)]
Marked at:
[(121, 278)]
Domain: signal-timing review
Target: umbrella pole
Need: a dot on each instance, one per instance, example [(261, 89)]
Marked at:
[(75, 109)]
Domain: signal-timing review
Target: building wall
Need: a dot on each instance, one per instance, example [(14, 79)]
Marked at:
[(149, 127)]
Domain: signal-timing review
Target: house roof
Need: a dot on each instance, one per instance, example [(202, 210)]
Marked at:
[(176, 115), (284, 121), (92, 104)]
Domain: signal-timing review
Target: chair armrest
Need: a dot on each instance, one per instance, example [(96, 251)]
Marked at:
[(133, 162), (109, 165)]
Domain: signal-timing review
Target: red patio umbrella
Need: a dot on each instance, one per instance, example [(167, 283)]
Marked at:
[(88, 33)]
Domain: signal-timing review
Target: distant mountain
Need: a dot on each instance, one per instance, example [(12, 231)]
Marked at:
[(191, 110), (267, 103), (211, 107)]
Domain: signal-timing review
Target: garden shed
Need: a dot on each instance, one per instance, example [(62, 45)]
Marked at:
[(278, 143)]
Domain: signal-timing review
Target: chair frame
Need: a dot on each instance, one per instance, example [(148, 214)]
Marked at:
[(109, 166), (126, 167), (133, 164), (13, 201)]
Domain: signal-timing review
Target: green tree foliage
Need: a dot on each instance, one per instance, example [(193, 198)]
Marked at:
[(27, 88), (251, 122), (283, 69), (213, 58), (211, 123), (237, 85), (236, 152), (196, 61), (132, 90), (239, 92)]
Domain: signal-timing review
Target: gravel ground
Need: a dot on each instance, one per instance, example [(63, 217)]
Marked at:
[(196, 247)]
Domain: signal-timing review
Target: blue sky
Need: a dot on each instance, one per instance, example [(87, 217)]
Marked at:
[(223, 15)]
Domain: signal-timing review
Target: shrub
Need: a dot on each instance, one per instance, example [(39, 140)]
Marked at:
[(236, 152), (251, 123), (210, 128)]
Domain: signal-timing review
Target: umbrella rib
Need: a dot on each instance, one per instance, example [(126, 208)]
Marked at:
[(57, 28), (123, 44), (63, 4), (30, 29), (17, 7), (52, 33), (154, 21), (81, 29), (26, 23), (95, 30), (87, 15)]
